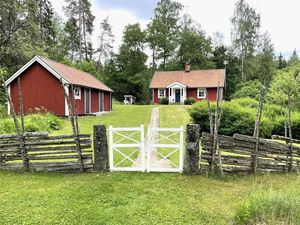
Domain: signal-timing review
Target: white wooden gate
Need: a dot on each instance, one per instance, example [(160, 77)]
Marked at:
[(127, 149), (161, 151), (165, 149)]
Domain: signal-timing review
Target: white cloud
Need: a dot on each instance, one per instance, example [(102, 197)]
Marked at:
[(279, 18), (118, 18)]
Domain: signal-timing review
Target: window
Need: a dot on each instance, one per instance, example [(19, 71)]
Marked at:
[(201, 93), (77, 93), (161, 93)]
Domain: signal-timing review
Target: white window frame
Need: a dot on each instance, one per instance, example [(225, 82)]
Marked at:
[(158, 93), (198, 92), (77, 90)]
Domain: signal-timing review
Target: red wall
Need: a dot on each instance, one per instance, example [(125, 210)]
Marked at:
[(39, 89), (95, 100), (211, 92), (80, 103), (107, 101), (191, 92)]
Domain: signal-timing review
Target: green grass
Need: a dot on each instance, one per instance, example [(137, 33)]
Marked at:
[(122, 116), (128, 198), (271, 206)]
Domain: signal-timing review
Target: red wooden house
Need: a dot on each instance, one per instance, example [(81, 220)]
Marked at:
[(179, 85), (41, 88)]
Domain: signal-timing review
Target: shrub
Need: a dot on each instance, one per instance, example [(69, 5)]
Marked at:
[(250, 89), (32, 123), (3, 112), (270, 207), (189, 101), (164, 101), (239, 117)]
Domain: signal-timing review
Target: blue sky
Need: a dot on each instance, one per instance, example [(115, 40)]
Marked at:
[(142, 8)]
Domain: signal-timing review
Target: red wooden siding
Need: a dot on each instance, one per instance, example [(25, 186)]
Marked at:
[(191, 92), (212, 94), (39, 89), (80, 103), (107, 101), (95, 100)]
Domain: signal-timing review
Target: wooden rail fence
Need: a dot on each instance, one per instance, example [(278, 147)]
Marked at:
[(40, 152), (237, 154)]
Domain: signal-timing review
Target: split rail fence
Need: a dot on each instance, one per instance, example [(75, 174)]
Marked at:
[(239, 154), (40, 152)]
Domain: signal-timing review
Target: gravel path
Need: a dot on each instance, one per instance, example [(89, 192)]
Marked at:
[(154, 137)]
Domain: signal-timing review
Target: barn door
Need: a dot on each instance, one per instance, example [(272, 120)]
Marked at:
[(87, 95)]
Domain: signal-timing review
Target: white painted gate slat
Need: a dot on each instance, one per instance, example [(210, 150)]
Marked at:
[(146, 147)]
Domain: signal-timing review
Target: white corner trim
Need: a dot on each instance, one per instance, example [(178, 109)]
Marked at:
[(67, 113), (8, 105), (41, 62), (201, 89)]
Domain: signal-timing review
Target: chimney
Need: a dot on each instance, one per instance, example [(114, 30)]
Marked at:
[(187, 67)]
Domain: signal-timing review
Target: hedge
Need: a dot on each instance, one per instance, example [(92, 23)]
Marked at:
[(239, 117)]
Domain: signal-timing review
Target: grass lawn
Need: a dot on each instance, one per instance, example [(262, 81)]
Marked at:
[(122, 116), (127, 198)]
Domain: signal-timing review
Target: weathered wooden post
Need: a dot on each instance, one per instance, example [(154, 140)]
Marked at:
[(100, 149), (192, 149)]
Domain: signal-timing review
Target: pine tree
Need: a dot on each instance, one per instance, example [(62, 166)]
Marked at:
[(281, 62), (294, 59), (44, 19), (80, 10), (71, 40)]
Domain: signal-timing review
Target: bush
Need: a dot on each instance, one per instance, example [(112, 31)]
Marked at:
[(239, 117), (189, 101), (3, 112), (33, 123), (164, 101), (249, 89), (270, 207)]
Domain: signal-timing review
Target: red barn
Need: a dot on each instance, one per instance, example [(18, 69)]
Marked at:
[(179, 85), (41, 88)]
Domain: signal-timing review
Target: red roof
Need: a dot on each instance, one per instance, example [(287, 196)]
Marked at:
[(75, 76), (192, 79)]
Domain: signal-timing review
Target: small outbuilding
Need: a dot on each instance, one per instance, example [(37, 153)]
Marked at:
[(41, 88), (129, 100)]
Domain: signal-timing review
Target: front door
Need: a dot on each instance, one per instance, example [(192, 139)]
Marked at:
[(87, 101), (177, 95)]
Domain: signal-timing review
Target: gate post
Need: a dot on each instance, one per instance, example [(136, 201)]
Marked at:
[(100, 149), (192, 149)]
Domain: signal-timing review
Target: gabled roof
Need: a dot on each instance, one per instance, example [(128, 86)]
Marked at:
[(67, 73), (192, 79)]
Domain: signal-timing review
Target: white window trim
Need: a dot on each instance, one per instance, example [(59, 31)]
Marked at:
[(158, 93), (198, 91), (77, 96)]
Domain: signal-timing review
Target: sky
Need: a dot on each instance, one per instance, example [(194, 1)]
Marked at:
[(279, 18)]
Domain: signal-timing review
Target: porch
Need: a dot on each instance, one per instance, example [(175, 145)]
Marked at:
[(177, 93)]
